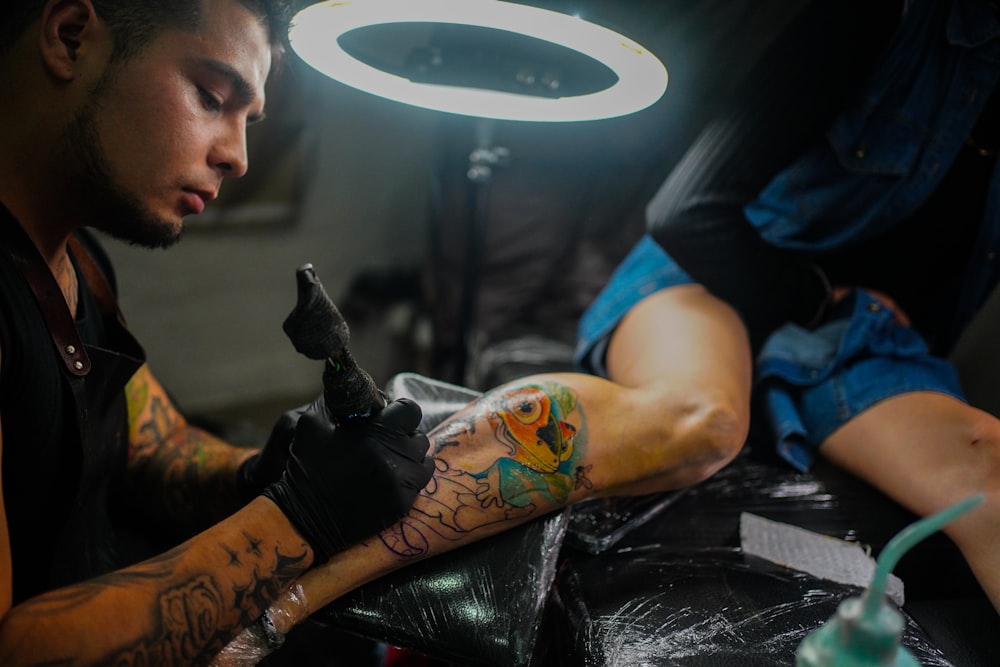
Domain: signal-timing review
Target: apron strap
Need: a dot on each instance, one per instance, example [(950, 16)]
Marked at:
[(49, 297), (95, 278)]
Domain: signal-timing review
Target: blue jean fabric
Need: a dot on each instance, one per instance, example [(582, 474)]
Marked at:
[(646, 269), (808, 383), (887, 151)]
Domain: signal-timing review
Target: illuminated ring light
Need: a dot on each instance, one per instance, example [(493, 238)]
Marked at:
[(642, 78)]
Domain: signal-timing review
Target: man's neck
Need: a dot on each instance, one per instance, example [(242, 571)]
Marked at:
[(52, 247)]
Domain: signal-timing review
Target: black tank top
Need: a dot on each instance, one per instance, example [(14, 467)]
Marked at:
[(64, 437)]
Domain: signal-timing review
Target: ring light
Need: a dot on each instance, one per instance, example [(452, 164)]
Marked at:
[(641, 77)]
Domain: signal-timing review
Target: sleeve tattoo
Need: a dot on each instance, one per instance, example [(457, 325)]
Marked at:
[(194, 616)]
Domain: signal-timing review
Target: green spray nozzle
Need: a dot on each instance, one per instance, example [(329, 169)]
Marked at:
[(904, 541), (865, 631)]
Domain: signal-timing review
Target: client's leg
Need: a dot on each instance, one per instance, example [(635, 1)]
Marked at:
[(677, 413), (927, 451), (686, 355)]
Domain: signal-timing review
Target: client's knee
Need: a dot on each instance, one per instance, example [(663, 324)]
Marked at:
[(723, 430), (975, 468), (709, 432), (983, 455)]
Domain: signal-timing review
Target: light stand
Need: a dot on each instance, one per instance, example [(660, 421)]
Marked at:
[(603, 75)]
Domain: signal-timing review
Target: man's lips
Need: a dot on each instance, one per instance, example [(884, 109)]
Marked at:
[(193, 201)]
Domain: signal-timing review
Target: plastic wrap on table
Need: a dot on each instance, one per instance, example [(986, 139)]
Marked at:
[(833, 504), (826, 500), (712, 607), (481, 605), (597, 525)]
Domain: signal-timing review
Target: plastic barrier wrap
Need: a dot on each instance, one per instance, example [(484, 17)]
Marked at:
[(711, 607), (481, 605), (438, 400), (826, 500), (597, 525), (677, 590)]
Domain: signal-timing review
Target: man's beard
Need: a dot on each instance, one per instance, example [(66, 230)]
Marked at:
[(111, 209)]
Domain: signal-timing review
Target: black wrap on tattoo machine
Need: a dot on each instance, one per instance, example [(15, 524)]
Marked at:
[(318, 331)]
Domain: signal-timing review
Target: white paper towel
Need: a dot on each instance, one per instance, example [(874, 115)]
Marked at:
[(820, 555)]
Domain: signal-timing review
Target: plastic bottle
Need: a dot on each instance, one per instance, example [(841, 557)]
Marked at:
[(866, 631)]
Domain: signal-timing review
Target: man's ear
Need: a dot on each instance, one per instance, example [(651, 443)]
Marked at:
[(67, 27)]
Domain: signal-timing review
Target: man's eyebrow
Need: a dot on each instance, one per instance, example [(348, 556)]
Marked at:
[(242, 89)]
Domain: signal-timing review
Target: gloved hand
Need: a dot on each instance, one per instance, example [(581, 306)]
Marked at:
[(268, 464), (345, 484)]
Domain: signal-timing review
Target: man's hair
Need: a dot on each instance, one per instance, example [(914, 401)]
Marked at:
[(134, 23)]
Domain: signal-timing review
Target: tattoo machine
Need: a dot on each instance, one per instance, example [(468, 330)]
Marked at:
[(318, 330)]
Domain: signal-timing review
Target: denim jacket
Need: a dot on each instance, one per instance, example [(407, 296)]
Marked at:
[(887, 153)]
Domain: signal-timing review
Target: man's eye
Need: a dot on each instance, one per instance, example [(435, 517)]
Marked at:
[(210, 101)]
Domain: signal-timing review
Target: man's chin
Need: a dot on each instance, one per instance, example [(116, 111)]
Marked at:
[(146, 232)]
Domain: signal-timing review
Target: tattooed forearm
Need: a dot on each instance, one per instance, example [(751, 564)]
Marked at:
[(188, 471), (198, 618), (261, 590), (180, 467), (190, 618), (516, 453)]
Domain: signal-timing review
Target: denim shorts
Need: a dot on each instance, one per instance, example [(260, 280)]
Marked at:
[(646, 269), (807, 383)]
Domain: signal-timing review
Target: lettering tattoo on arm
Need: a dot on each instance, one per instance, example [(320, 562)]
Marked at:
[(517, 454)]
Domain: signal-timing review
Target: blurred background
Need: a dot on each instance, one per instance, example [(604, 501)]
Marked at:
[(469, 281)]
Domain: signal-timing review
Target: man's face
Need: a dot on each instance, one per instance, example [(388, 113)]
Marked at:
[(160, 131)]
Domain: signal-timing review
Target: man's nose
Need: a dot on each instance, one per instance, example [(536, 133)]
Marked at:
[(229, 153)]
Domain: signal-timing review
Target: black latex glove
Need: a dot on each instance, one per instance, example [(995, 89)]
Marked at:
[(345, 484), (268, 464)]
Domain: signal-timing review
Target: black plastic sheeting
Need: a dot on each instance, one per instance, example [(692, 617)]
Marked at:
[(482, 608), (714, 607), (676, 589), (826, 500), (658, 580), (484, 605)]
